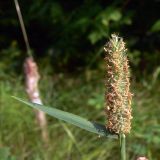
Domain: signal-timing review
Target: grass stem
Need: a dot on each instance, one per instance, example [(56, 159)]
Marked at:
[(23, 28), (123, 146)]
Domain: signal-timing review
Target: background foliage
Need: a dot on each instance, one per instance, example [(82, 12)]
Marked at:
[(72, 33)]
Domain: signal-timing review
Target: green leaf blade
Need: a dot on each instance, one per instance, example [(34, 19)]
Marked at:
[(156, 26), (72, 119)]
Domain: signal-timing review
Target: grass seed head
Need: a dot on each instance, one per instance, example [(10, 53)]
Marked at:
[(117, 96)]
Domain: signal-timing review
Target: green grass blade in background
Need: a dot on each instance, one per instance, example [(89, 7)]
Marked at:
[(72, 119)]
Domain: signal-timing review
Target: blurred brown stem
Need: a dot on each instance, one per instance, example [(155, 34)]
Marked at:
[(31, 79)]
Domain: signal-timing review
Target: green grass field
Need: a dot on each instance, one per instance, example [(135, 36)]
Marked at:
[(82, 95)]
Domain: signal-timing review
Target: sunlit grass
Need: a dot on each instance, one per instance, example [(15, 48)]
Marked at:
[(19, 132)]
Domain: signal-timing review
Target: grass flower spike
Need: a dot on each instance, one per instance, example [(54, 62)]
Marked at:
[(117, 96)]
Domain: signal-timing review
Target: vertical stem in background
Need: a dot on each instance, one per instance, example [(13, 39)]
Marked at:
[(122, 139), (23, 28), (32, 78)]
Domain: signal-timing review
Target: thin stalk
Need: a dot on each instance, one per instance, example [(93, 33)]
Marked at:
[(23, 28), (122, 139)]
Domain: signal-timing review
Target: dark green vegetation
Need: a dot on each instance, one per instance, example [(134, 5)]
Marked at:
[(71, 33), (20, 133)]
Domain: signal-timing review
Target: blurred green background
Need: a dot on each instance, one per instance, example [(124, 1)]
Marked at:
[(67, 39)]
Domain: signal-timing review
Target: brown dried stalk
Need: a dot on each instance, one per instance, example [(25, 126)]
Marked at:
[(31, 80)]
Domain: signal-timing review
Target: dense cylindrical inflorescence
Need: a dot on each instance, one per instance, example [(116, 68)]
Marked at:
[(117, 96)]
